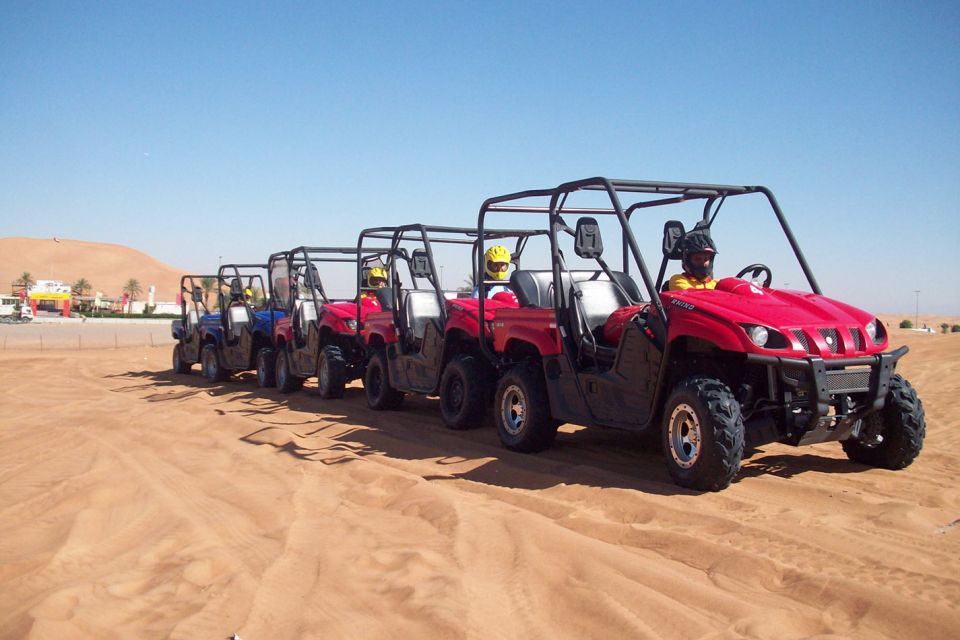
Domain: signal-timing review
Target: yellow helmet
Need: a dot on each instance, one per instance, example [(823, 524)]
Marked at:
[(496, 262), (377, 277)]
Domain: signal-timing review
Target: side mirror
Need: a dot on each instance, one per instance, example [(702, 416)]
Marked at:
[(420, 264), (673, 232), (587, 242), (197, 295)]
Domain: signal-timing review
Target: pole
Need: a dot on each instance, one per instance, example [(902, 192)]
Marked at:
[(916, 317)]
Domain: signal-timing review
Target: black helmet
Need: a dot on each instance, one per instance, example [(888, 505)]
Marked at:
[(698, 242)]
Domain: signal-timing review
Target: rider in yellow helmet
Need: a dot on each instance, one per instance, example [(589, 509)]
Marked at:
[(496, 264), (376, 279)]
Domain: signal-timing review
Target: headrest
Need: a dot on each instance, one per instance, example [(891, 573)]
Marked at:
[(420, 264), (587, 242)]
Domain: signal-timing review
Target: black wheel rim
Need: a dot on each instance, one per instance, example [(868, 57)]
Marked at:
[(376, 381), (455, 394)]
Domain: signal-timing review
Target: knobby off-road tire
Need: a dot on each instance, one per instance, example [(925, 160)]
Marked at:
[(702, 434), (331, 372), (522, 410), (901, 422), (179, 364), (286, 381), (213, 369), (376, 384), (464, 393), (266, 368)]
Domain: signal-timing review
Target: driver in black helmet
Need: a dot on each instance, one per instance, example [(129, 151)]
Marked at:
[(698, 254)]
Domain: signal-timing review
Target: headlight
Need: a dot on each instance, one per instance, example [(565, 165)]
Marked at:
[(872, 330), (765, 337), (351, 324), (758, 335)]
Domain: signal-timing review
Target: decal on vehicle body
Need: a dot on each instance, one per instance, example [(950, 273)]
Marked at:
[(683, 305)]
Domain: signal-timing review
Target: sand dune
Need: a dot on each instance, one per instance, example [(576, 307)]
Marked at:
[(138, 503), (107, 267)]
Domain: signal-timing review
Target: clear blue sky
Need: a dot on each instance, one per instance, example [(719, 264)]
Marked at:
[(197, 130)]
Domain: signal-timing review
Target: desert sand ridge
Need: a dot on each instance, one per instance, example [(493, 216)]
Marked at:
[(139, 503), (107, 267)]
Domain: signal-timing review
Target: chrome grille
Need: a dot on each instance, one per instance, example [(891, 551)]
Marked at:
[(848, 380), (830, 335), (857, 338), (802, 337)]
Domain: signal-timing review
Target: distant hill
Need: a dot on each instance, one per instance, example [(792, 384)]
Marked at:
[(107, 267)]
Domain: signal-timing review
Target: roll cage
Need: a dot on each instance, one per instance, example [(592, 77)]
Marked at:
[(301, 263), (553, 203), (421, 262), (191, 292), (235, 279)]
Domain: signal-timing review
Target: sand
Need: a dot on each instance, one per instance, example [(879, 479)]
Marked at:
[(107, 267), (135, 503)]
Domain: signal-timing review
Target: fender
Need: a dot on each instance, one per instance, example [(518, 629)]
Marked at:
[(333, 323), (536, 326), (335, 315), (282, 330), (462, 320), (463, 313), (698, 325), (380, 324), (211, 335)]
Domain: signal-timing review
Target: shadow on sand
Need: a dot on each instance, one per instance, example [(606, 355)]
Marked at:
[(297, 424)]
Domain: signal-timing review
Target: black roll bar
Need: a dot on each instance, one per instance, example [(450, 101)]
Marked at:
[(679, 192)]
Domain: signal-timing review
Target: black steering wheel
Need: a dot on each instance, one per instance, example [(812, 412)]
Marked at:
[(755, 270)]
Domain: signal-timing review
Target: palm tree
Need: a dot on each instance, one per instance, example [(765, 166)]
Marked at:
[(25, 280), (132, 288), (468, 283), (207, 284), (81, 287)]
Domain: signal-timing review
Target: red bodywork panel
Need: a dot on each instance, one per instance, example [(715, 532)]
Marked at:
[(283, 330), (535, 326), (462, 314), (379, 323), (333, 315), (716, 316)]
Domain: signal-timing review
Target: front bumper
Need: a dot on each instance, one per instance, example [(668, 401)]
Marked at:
[(825, 383)]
